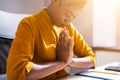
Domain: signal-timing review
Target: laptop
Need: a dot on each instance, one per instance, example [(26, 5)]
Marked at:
[(115, 67)]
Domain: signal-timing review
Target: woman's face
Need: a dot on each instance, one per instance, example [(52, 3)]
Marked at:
[(63, 15)]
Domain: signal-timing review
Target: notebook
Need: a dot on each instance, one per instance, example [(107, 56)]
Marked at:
[(94, 75)]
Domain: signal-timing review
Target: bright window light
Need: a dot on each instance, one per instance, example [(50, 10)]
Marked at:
[(104, 23)]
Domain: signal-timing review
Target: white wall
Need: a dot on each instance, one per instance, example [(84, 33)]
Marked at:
[(104, 23), (105, 57), (118, 23), (22, 6)]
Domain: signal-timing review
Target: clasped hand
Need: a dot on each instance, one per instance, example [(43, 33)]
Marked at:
[(64, 48)]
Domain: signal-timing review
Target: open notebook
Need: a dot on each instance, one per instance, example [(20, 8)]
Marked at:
[(103, 74)]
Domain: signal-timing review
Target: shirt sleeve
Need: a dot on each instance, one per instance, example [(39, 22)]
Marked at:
[(19, 62)]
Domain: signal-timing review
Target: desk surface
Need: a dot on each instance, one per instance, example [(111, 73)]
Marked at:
[(101, 69)]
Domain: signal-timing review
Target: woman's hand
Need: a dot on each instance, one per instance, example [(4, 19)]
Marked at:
[(64, 48)]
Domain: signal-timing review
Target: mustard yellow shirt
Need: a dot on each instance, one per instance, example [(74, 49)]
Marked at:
[(35, 42)]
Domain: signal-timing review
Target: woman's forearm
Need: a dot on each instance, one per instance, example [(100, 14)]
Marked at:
[(41, 71), (82, 63)]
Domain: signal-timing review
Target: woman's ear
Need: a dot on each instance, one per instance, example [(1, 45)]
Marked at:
[(55, 2), (52, 1)]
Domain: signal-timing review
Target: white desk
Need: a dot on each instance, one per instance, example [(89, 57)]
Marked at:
[(101, 68)]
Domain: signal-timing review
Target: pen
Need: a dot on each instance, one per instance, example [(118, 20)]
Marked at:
[(105, 72)]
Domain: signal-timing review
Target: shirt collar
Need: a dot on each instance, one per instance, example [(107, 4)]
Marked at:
[(46, 15)]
